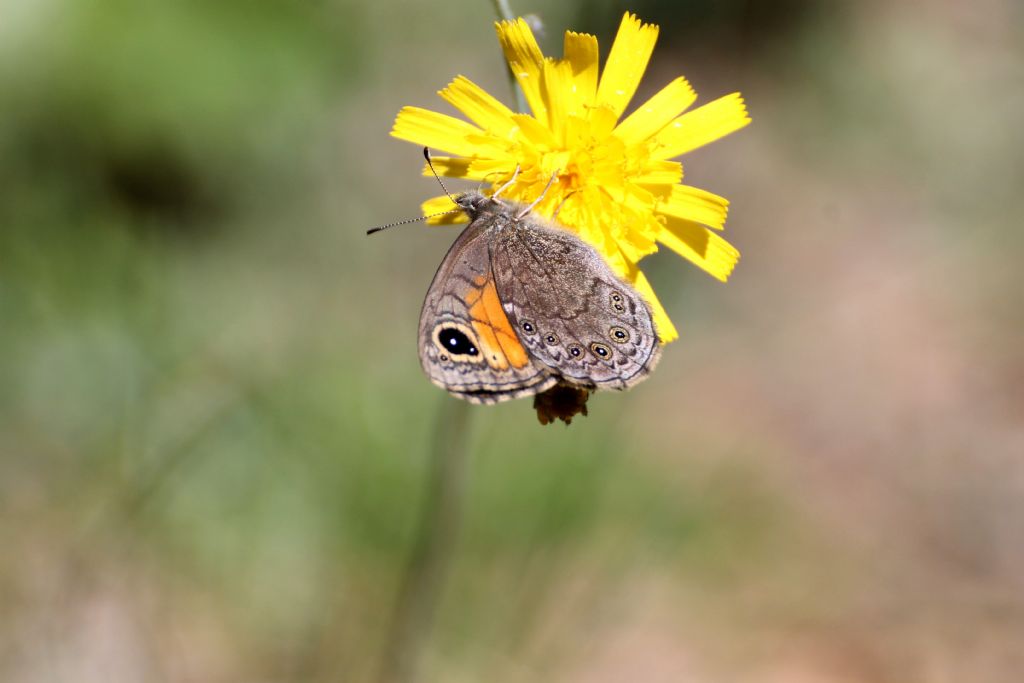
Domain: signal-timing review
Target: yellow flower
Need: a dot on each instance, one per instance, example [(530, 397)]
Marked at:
[(616, 185)]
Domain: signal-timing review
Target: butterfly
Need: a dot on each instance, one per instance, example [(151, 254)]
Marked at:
[(520, 305)]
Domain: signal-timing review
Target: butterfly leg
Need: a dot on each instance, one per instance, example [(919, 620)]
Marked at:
[(538, 199), (501, 189), (554, 216)]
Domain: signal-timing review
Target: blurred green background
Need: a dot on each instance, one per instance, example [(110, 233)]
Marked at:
[(215, 434)]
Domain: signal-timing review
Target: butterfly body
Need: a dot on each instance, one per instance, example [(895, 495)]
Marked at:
[(518, 306)]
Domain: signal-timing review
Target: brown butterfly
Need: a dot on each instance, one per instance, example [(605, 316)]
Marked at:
[(519, 306)]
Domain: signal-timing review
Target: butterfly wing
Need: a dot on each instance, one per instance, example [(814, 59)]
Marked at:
[(571, 312), (467, 344)]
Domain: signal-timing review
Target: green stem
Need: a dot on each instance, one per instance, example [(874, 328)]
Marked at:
[(430, 561), (504, 12), (431, 558)]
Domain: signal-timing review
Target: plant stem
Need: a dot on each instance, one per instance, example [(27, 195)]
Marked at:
[(504, 12), (430, 560)]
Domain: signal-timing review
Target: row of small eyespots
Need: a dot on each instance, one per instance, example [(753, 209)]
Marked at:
[(617, 334)]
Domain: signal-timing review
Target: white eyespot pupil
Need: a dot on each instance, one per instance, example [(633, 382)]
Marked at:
[(457, 342)]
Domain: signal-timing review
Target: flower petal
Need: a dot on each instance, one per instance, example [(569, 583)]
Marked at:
[(657, 112), (489, 145), (659, 172), (534, 131), (602, 121), (581, 213), (580, 51), (634, 245), (702, 125), (696, 243), (438, 131), (525, 60), (667, 332), (557, 86), (442, 205), (481, 108), (495, 171), (577, 131), (451, 167), (695, 204), (626, 63)]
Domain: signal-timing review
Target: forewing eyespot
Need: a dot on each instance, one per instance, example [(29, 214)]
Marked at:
[(455, 341)]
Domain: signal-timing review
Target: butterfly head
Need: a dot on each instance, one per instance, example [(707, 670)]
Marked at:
[(476, 204)]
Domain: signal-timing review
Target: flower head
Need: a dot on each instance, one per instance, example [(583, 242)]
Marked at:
[(616, 185)]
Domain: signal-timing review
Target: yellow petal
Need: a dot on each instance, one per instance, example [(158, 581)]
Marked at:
[(696, 243), (662, 324), (525, 60), (695, 204), (580, 213), (490, 146), (577, 132), (660, 172), (626, 63), (495, 171), (702, 125), (438, 131), (602, 121), (634, 247), (638, 198), (558, 96), (620, 266), (452, 167), (657, 112), (449, 213), (477, 104), (534, 131), (580, 50)]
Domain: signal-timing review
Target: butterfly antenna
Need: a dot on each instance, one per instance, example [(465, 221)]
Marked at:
[(538, 199), (408, 220), (426, 155)]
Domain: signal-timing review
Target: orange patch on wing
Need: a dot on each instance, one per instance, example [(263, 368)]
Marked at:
[(498, 340)]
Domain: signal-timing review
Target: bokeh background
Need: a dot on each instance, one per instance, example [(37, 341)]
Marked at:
[(215, 435)]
